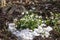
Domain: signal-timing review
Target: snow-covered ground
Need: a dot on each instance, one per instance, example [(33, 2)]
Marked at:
[(28, 34)]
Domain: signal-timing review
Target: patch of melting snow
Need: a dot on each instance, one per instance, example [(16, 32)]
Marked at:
[(27, 34)]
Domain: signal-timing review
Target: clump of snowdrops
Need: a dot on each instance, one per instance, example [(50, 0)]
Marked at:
[(29, 20)]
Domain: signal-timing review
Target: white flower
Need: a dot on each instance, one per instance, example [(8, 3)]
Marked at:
[(43, 25), (40, 11), (33, 8), (51, 13), (52, 17), (43, 22), (7, 23), (40, 16), (32, 20), (36, 16), (22, 13), (26, 12), (32, 15), (15, 20), (30, 10), (39, 20), (23, 19)]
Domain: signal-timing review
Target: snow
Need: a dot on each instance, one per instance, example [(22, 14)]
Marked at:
[(28, 34)]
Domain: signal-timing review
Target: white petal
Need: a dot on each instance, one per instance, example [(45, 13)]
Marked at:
[(26, 12), (36, 16), (31, 15), (15, 19), (22, 13), (43, 25), (40, 16)]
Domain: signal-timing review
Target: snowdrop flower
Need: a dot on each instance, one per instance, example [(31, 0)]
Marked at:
[(44, 21), (40, 11), (30, 10), (43, 25), (39, 20), (46, 17), (40, 16), (32, 15), (36, 16), (32, 20), (26, 12), (7, 23), (51, 13), (15, 20), (22, 19), (33, 8), (22, 13), (52, 17), (32, 2)]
